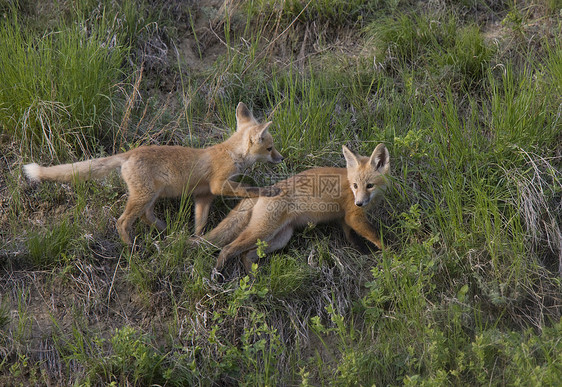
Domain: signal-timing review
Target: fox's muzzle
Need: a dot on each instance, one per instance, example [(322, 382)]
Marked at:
[(362, 201), (276, 157)]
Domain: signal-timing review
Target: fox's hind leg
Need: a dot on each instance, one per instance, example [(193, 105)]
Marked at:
[(138, 205), (151, 219), (231, 226), (247, 241), (278, 241)]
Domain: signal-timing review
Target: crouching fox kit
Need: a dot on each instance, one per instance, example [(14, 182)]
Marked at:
[(151, 172), (313, 196)]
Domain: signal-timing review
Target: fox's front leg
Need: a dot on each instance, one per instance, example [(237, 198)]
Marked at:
[(237, 189), (357, 242), (202, 206), (360, 224)]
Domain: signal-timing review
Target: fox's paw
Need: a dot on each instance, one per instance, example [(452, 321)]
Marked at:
[(270, 191), (195, 241), (216, 276)]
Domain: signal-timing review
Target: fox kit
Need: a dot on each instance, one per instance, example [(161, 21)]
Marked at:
[(313, 196), (151, 172)]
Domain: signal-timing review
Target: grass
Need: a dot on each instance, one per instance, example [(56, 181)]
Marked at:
[(59, 85), (467, 290)]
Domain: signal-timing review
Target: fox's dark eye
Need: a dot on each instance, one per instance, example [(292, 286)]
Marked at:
[(369, 186), (269, 149), (355, 185)]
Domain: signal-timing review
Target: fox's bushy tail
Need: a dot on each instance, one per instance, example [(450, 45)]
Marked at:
[(82, 170)]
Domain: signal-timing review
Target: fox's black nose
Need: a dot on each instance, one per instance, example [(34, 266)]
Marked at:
[(358, 204)]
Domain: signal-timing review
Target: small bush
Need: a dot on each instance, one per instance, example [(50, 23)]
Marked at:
[(132, 360), (288, 277), (450, 53), (468, 55), (47, 248), (408, 38)]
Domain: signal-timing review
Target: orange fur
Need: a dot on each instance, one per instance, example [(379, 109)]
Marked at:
[(152, 172), (314, 196)]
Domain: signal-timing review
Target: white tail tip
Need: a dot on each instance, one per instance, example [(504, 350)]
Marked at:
[(32, 171)]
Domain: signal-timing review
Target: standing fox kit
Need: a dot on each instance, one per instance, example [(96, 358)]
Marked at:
[(151, 172), (313, 196)]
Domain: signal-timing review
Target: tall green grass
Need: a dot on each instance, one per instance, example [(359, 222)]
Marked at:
[(55, 89), (58, 86), (333, 13), (451, 53)]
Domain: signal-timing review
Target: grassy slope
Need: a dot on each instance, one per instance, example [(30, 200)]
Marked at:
[(466, 96)]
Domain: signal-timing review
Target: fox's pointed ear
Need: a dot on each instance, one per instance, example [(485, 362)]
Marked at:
[(350, 158), (260, 132), (243, 116), (380, 159), (266, 126)]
